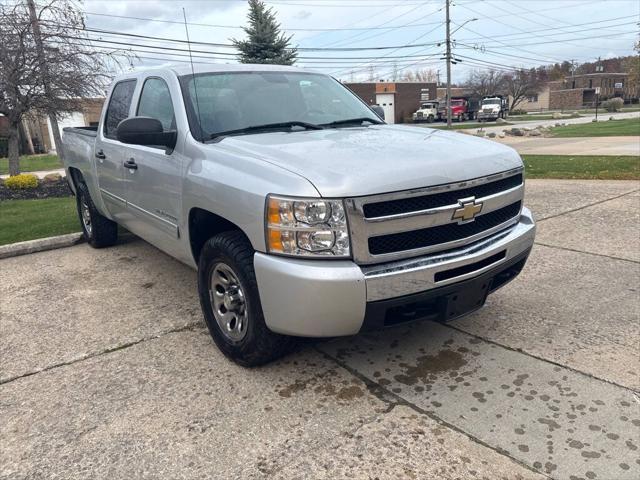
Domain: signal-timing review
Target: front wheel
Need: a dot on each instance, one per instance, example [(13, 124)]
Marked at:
[(230, 302), (98, 230)]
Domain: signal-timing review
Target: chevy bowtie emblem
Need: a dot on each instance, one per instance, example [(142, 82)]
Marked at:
[(469, 208)]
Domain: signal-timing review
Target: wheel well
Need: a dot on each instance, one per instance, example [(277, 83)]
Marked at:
[(76, 176), (203, 225)]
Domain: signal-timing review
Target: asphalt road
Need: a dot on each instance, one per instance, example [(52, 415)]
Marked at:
[(108, 372)]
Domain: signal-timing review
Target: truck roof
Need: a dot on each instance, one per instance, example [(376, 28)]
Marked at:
[(185, 69)]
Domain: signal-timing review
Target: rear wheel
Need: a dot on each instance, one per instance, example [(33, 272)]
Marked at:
[(98, 230), (230, 302)]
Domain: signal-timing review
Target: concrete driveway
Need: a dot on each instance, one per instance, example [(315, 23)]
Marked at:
[(108, 372)]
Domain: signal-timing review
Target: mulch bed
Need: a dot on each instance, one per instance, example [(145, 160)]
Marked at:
[(48, 190)]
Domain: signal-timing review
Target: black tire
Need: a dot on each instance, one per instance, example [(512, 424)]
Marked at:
[(430, 119), (259, 345), (100, 232)]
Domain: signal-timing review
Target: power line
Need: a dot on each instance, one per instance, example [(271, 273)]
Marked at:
[(226, 45), (240, 27), (352, 37)]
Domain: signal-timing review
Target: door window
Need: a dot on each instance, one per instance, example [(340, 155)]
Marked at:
[(155, 102), (118, 108)]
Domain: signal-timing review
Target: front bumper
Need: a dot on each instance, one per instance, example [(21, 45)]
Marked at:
[(334, 298), (487, 116)]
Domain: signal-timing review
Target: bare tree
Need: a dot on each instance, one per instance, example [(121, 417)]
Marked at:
[(486, 82), (420, 75), (49, 71), (522, 84)]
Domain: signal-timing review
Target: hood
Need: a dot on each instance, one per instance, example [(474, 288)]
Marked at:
[(358, 161)]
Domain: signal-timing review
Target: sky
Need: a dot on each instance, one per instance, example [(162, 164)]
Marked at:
[(501, 34)]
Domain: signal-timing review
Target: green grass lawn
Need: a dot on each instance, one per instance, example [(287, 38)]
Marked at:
[(607, 128), (22, 220), (596, 167), (32, 163)]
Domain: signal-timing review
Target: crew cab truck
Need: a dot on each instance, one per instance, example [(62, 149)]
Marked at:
[(493, 107), (302, 211), (427, 112)]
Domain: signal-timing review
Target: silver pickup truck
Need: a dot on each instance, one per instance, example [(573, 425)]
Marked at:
[(302, 211)]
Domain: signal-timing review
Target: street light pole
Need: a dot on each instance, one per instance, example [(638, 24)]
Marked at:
[(448, 57)]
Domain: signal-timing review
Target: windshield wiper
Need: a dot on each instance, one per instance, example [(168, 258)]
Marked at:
[(356, 121), (267, 126)]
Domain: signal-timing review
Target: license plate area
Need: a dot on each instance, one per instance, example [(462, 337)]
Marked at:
[(457, 304)]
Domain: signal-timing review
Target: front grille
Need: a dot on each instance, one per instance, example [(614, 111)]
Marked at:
[(427, 237), (451, 197)]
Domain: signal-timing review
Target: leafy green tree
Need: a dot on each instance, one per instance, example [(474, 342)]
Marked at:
[(265, 42)]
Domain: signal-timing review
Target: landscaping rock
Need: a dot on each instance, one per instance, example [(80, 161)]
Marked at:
[(535, 133), (575, 115), (517, 132), (556, 115), (611, 118), (480, 133), (51, 178), (501, 135), (500, 121), (491, 135)]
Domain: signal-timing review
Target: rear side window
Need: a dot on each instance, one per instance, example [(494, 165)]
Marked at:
[(155, 102), (118, 108)]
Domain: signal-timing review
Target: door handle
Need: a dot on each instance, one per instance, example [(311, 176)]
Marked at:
[(100, 154), (131, 164)]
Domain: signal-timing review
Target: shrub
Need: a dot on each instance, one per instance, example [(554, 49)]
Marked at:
[(518, 111), (613, 104), (23, 181)]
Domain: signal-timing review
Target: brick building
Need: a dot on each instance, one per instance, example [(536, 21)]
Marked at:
[(579, 91), (398, 99)]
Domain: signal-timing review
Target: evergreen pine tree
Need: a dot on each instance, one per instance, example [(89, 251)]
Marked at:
[(265, 42)]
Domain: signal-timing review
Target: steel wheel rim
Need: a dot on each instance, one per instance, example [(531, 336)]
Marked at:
[(228, 302), (85, 213)]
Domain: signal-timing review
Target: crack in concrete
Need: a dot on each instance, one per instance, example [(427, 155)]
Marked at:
[(385, 395), (587, 206), (588, 253), (546, 360), (187, 327)]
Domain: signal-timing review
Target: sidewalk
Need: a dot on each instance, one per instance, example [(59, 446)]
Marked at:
[(41, 173), (574, 146)]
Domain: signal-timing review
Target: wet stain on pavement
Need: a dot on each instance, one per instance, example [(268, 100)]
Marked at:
[(549, 417)]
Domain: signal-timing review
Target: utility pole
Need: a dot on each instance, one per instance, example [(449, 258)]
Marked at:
[(44, 74), (448, 56)]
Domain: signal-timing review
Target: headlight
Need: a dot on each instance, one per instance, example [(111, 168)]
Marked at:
[(307, 227)]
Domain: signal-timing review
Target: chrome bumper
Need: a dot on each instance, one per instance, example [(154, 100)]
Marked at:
[(327, 298), (405, 277)]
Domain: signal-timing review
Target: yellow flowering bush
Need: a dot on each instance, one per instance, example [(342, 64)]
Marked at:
[(22, 181)]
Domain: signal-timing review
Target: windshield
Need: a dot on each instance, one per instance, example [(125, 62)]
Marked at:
[(457, 102), (492, 101), (428, 105), (238, 100)]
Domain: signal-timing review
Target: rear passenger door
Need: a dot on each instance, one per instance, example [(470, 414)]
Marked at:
[(153, 188), (110, 153)]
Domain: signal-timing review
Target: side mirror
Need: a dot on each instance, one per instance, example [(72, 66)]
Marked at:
[(145, 131), (378, 110)]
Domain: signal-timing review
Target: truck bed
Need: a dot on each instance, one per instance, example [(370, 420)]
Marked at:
[(79, 145), (88, 131)]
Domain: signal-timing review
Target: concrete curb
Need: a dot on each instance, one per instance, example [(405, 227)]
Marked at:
[(40, 245)]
